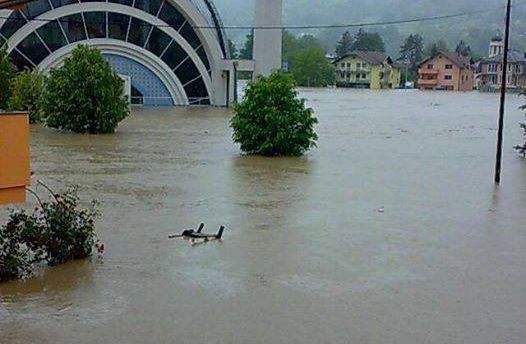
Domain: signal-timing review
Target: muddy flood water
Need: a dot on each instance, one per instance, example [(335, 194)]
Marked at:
[(391, 231)]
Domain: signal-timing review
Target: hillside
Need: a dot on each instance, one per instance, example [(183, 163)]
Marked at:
[(475, 29)]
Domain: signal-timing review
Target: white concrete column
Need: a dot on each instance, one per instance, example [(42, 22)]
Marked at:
[(267, 42)]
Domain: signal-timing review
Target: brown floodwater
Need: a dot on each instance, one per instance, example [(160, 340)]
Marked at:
[(391, 231)]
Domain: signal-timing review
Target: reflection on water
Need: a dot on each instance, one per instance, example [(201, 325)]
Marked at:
[(307, 257)]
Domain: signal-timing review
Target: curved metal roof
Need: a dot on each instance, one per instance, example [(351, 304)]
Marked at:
[(211, 15)]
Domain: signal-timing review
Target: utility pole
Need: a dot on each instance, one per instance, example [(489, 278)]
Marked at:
[(503, 93)]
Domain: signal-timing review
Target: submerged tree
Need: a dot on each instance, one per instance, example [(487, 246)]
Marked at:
[(311, 68), (85, 95), (271, 120), (27, 92)]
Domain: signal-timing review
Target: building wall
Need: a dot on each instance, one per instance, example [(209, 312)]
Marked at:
[(395, 78), (450, 76), (14, 157), (375, 77), (354, 75)]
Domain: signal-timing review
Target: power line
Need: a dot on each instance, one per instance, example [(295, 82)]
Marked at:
[(293, 27)]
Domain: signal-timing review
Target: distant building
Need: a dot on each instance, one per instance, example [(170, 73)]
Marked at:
[(367, 69), (447, 71), (489, 69)]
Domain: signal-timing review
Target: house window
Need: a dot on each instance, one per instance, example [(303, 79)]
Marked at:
[(448, 77), (348, 65), (449, 66), (343, 65), (364, 65), (429, 66)]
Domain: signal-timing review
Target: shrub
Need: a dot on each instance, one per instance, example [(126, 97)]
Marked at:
[(271, 120), (26, 93), (7, 73), (68, 231), (57, 231), (85, 95), (17, 254)]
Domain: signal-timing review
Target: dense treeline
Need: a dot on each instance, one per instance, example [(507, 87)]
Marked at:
[(476, 29)]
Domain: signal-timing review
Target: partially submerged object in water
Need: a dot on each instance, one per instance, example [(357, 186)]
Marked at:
[(198, 235)]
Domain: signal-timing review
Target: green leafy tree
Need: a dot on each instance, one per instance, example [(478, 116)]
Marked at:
[(463, 49), (344, 45), (85, 95), (412, 52), (7, 73), (290, 47), (247, 51), (271, 120), (233, 49), (434, 48), (311, 68), (368, 41), (27, 91)]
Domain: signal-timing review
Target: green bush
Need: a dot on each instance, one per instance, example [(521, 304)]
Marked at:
[(7, 73), (85, 95), (26, 93), (17, 253), (57, 231), (271, 120)]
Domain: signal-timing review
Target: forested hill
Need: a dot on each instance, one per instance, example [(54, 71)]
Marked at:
[(476, 30)]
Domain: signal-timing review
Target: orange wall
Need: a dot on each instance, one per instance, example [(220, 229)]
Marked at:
[(14, 157), (461, 79)]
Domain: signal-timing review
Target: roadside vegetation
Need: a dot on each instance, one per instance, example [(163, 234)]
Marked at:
[(56, 231), (272, 120)]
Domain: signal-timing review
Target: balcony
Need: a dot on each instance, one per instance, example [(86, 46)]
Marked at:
[(427, 71), (427, 82)]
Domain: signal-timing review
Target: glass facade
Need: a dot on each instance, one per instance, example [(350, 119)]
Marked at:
[(93, 25)]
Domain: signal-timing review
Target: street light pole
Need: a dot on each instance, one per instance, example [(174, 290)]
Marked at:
[(503, 94)]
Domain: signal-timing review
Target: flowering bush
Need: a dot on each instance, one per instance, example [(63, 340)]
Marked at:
[(57, 231)]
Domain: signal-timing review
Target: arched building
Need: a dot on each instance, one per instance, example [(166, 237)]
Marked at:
[(173, 52)]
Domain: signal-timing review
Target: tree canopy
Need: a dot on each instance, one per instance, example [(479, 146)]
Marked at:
[(344, 45), (369, 41), (7, 74), (247, 50), (412, 52)]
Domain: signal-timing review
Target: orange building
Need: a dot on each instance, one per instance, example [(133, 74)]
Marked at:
[(14, 157), (446, 71)]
